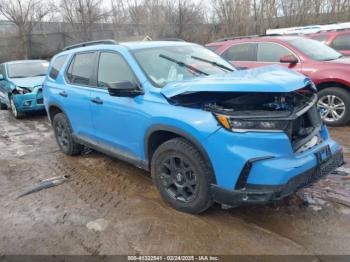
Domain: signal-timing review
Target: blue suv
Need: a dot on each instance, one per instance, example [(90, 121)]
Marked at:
[(21, 86), (206, 131)]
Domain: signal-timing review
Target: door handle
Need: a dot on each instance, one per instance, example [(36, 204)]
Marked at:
[(63, 93), (97, 100)]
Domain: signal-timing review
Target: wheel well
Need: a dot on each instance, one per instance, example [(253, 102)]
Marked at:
[(156, 139), (54, 110), (332, 84)]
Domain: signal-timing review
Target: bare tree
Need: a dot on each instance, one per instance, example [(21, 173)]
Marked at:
[(25, 14), (82, 15)]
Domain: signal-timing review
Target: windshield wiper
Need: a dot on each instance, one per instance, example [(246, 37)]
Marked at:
[(212, 63), (182, 64), (18, 76), (39, 75)]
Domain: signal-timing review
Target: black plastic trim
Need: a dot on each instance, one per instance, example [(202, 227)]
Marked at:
[(111, 151), (263, 194), (181, 133), (243, 176), (98, 42)]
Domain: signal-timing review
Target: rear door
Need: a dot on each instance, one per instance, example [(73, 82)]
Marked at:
[(242, 55), (76, 94)]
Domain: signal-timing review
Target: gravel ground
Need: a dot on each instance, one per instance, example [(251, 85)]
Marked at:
[(110, 207)]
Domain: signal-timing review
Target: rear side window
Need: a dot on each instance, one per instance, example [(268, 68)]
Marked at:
[(80, 71), (112, 69), (241, 52), (213, 47), (320, 38), (341, 42), (56, 66), (271, 52)]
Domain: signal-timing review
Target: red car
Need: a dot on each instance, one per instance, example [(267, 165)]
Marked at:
[(339, 40), (329, 69)]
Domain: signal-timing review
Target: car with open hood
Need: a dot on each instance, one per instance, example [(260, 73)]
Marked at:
[(327, 68), (21, 86), (206, 131)]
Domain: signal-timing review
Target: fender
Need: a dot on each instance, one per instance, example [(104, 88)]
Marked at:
[(59, 107), (179, 132), (332, 76)]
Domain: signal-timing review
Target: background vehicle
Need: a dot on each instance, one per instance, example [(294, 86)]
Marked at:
[(203, 129), (339, 40), (328, 69), (21, 86)]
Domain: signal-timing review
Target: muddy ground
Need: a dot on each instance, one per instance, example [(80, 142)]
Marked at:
[(110, 207)]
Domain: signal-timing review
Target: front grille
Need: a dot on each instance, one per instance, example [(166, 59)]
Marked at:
[(304, 127), (313, 175)]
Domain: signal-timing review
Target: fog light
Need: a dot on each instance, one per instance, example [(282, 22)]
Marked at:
[(27, 103)]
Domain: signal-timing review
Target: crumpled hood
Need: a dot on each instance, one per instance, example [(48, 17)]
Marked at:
[(28, 82), (275, 79)]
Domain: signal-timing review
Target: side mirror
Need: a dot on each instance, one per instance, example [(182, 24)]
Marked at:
[(1, 77), (123, 89), (289, 59)]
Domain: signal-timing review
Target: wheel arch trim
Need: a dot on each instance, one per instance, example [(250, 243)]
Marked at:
[(181, 133)]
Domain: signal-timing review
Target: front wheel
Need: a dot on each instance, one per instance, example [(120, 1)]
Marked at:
[(182, 176), (17, 114), (3, 106), (334, 105)]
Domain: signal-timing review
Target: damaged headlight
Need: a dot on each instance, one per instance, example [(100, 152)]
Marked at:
[(21, 91), (245, 125)]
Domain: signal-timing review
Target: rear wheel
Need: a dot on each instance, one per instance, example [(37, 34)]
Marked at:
[(182, 176), (64, 135), (17, 114), (334, 105)]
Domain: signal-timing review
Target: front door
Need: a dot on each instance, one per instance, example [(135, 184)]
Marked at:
[(270, 54), (116, 120)]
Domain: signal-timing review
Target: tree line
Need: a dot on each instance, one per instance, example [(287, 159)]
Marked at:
[(192, 20)]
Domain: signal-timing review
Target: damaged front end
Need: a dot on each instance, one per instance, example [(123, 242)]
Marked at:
[(294, 113)]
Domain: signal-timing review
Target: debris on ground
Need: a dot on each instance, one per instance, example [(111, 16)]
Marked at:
[(44, 184), (98, 225)]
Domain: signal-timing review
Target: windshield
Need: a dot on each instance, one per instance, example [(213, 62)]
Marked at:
[(29, 69), (315, 49), (163, 65)]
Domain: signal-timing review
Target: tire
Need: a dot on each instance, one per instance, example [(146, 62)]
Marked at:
[(17, 114), (3, 106), (334, 104), (182, 176), (64, 135)]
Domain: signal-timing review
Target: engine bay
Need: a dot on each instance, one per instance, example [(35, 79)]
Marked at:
[(297, 110), (247, 105)]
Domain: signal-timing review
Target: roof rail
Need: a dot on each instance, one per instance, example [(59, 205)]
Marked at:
[(98, 42), (243, 37), (172, 39)]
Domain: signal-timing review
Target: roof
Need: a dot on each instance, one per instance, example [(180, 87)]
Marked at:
[(150, 44), (256, 39), (25, 61)]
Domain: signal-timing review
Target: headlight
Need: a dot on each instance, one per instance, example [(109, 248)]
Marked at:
[(21, 91), (246, 125)]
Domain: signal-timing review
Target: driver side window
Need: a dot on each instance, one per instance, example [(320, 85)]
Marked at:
[(271, 52), (112, 69)]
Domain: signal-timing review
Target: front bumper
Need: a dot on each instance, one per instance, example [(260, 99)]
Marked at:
[(262, 194), (30, 102)]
